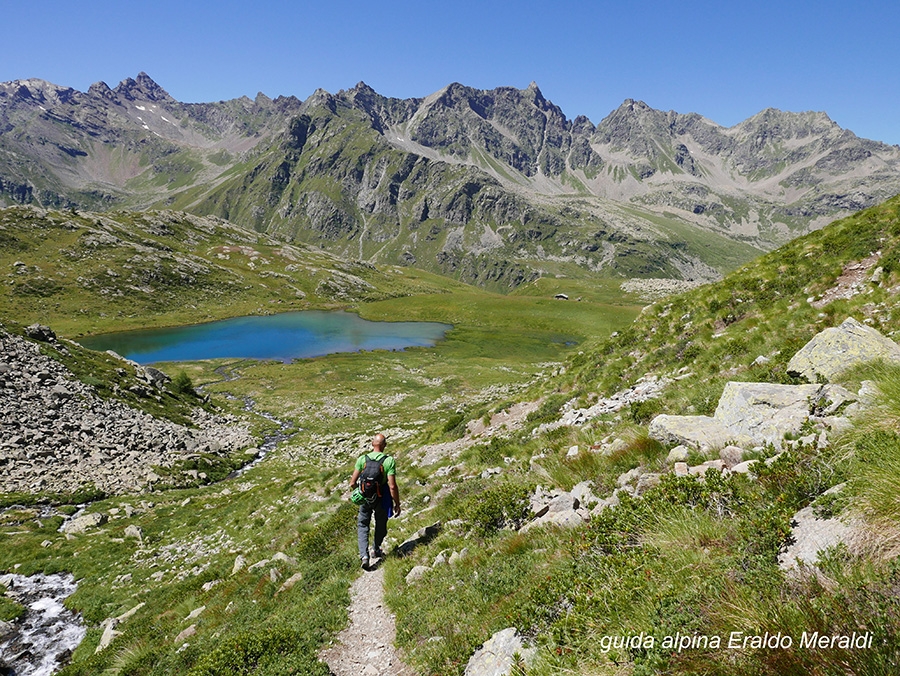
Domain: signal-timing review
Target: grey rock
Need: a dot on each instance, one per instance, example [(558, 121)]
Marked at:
[(837, 349), (745, 467), (194, 613), (417, 573), (458, 556), (764, 412), (629, 477), (284, 558), (108, 636), (583, 493), (40, 332), (811, 535), (497, 657), (186, 634), (563, 502), (239, 564), (700, 432), (568, 518), (290, 582), (81, 523), (678, 454), (732, 455), (647, 481)]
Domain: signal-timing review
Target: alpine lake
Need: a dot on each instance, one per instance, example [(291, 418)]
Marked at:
[(280, 337)]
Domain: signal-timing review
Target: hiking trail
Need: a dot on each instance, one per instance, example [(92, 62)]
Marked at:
[(366, 646)]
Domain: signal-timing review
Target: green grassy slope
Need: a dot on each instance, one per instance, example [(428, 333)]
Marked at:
[(91, 273), (689, 558)]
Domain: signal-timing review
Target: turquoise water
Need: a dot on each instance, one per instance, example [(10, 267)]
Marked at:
[(282, 337)]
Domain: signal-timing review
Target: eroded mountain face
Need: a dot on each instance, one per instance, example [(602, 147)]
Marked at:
[(493, 187)]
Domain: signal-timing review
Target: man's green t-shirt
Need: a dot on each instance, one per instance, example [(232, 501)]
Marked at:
[(389, 465)]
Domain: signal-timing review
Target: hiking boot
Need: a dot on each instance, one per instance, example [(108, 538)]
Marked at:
[(365, 563), (378, 553)]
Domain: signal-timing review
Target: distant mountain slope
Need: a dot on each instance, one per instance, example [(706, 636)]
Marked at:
[(494, 187), (122, 270)]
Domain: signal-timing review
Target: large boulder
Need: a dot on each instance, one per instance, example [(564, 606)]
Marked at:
[(837, 349), (80, 524), (696, 431), (765, 412)]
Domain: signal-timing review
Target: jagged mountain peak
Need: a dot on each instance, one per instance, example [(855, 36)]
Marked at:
[(143, 87), (362, 88), (100, 89)]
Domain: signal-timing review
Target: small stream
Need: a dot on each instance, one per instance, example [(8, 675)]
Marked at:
[(270, 441), (44, 638)]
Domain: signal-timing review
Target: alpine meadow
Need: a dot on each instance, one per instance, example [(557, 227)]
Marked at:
[(661, 434)]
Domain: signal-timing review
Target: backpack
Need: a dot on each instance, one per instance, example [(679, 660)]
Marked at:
[(371, 478)]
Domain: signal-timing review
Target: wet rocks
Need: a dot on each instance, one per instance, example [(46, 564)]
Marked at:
[(45, 636)]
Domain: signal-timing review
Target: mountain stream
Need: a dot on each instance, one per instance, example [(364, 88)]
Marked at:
[(42, 640)]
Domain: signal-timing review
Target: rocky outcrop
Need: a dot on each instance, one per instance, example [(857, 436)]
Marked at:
[(500, 654), (755, 414), (759, 414), (648, 387), (812, 535), (697, 431), (560, 508), (58, 435), (765, 413), (841, 348)]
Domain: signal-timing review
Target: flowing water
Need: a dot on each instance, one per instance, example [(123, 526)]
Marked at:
[(43, 639)]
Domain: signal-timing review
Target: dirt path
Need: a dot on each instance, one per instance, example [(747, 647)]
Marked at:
[(366, 647)]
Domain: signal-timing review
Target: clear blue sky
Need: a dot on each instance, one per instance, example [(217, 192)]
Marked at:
[(725, 60)]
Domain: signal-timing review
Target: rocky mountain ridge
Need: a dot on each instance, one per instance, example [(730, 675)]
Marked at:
[(493, 186)]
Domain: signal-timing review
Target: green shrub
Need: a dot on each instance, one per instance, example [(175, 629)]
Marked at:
[(501, 505), (182, 384)]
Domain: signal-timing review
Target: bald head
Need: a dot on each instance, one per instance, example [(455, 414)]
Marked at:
[(379, 442)]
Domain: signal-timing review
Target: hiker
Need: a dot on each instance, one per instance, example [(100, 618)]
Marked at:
[(374, 477)]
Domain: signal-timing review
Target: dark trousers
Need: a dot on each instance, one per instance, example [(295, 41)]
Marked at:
[(363, 520)]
